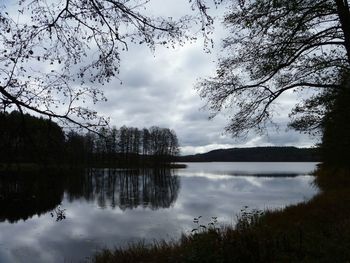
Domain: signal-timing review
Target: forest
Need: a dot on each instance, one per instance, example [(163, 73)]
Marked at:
[(29, 139), (256, 154)]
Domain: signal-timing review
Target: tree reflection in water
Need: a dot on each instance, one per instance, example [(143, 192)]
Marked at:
[(23, 195), (127, 189)]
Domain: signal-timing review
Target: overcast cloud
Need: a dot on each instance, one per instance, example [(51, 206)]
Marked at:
[(158, 89)]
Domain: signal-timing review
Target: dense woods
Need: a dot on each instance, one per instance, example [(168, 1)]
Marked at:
[(28, 139), (256, 154)]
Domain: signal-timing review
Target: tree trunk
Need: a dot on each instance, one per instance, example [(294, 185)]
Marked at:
[(344, 17)]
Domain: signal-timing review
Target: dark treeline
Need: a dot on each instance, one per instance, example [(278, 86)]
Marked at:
[(28, 139), (335, 144), (28, 193), (256, 154)]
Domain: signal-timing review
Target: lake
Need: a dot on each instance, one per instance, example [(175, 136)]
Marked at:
[(60, 217)]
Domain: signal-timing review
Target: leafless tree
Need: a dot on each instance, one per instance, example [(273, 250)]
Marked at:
[(55, 55), (276, 46)]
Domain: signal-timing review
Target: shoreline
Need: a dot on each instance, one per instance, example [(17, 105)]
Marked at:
[(314, 231)]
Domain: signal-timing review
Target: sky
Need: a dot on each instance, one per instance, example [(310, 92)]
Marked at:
[(157, 89)]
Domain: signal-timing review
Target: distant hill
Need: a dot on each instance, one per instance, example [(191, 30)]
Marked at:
[(256, 154)]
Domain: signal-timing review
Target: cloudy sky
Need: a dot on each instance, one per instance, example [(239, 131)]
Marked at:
[(158, 89)]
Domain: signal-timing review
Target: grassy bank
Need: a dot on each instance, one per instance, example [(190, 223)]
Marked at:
[(316, 231)]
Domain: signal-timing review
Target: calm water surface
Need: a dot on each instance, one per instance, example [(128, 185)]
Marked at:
[(66, 218)]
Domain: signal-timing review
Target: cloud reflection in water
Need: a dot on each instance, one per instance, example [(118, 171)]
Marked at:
[(114, 207)]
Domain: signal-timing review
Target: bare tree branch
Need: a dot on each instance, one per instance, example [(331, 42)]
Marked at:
[(276, 46)]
